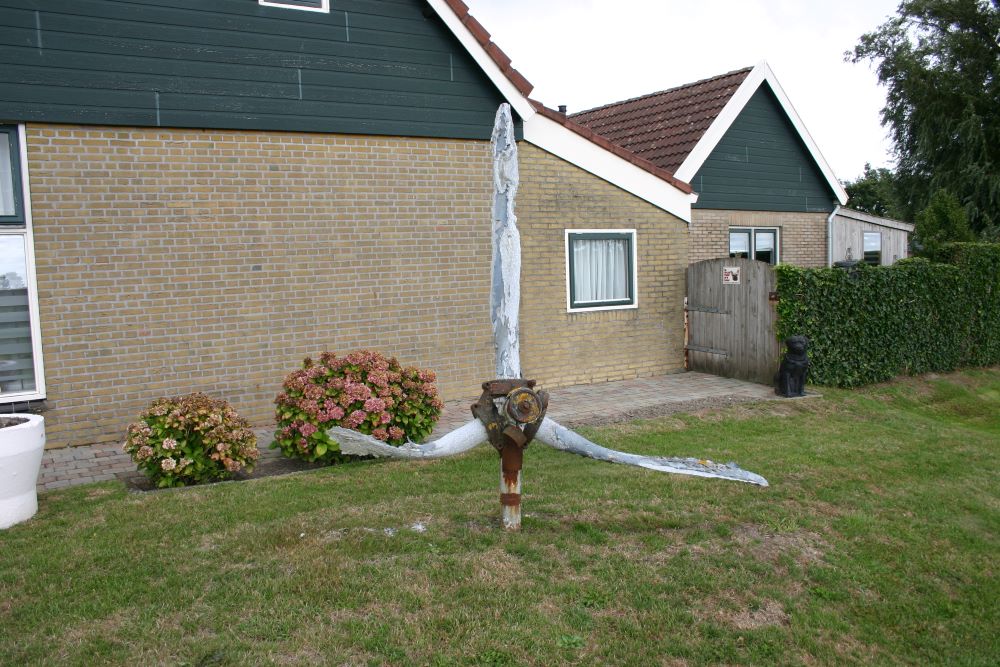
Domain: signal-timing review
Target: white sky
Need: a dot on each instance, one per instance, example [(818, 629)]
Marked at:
[(585, 53)]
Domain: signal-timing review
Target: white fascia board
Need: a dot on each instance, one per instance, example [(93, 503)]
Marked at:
[(564, 143), (517, 101), (762, 72)]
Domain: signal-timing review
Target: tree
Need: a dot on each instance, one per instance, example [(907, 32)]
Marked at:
[(11, 280), (942, 221), (940, 63), (875, 192)]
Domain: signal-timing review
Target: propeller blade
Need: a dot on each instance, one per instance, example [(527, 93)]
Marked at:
[(460, 440), (555, 435)]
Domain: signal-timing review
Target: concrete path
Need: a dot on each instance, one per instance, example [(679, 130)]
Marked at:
[(628, 399), (571, 406)]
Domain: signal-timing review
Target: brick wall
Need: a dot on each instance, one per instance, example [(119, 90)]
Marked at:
[(561, 348), (803, 239), (171, 261)]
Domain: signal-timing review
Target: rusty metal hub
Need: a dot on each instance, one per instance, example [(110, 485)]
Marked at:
[(523, 406), (511, 411)]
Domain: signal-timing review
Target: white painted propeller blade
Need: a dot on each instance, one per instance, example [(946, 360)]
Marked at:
[(454, 442), (505, 291), (551, 433), (555, 435)]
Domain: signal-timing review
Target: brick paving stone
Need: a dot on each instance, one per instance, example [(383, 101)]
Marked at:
[(575, 405)]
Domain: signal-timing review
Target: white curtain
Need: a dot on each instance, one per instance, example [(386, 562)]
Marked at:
[(6, 177), (600, 270)]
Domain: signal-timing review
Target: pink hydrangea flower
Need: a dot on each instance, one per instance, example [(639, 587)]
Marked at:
[(381, 434), (168, 464), (356, 418), (169, 444)]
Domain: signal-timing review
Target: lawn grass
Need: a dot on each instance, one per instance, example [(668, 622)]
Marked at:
[(876, 543)]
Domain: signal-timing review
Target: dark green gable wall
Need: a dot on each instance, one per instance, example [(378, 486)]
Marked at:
[(761, 164), (368, 67)]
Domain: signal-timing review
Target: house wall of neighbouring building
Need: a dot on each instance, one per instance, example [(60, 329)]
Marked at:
[(560, 348), (171, 261), (802, 236), (848, 236)]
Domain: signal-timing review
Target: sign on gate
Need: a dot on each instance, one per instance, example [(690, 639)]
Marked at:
[(730, 275)]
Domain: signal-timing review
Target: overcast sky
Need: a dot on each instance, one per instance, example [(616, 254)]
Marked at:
[(585, 53)]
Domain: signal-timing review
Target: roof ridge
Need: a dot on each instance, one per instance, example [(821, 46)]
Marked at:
[(665, 91)]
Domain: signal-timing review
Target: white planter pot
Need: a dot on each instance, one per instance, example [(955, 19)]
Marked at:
[(20, 461)]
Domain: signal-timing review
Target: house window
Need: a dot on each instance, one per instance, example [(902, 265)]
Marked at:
[(601, 269), (756, 243), (307, 5), (873, 248), (20, 339), (11, 206)]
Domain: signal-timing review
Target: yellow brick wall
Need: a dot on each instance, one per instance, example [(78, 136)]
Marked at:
[(803, 238), (560, 348), (172, 261)]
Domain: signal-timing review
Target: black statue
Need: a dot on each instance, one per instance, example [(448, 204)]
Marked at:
[(791, 378)]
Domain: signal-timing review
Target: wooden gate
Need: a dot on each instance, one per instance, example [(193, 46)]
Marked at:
[(731, 320)]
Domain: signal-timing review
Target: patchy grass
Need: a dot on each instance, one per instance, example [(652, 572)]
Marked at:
[(876, 543)]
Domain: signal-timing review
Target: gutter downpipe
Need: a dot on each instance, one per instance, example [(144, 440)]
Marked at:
[(829, 235)]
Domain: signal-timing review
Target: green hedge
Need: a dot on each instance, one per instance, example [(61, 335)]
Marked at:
[(869, 324)]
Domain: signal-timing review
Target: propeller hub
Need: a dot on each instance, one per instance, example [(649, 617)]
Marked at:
[(523, 406)]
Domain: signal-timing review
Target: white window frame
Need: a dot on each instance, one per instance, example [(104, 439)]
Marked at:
[(325, 8), (881, 247), (634, 241), (29, 265), (753, 240)]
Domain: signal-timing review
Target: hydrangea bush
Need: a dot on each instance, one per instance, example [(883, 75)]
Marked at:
[(364, 391), (189, 440)]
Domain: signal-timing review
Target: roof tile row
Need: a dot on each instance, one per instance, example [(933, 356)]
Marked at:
[(665, 127)]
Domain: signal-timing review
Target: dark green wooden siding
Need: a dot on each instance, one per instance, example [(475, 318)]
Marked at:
[(761, 164), (368, 67)]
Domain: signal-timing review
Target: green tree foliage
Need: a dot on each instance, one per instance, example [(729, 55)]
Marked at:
[(875, 192), (943, 220), (940, 63)]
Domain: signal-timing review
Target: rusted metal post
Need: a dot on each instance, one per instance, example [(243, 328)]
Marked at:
[(512, 413), (511, 462)]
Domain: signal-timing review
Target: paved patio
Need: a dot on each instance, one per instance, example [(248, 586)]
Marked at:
[(571, 406)]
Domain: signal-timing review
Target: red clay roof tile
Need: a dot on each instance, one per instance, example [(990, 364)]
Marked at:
[(664, 127), (607, 145)]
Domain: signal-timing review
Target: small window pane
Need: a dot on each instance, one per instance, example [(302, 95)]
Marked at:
[(296, 4), (873, 248), (739, 244), (764, 247), (7, 184), (17, 368), (600, 270)]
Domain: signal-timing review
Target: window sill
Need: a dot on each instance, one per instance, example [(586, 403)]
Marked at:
[(596, 309), (35, 406)]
